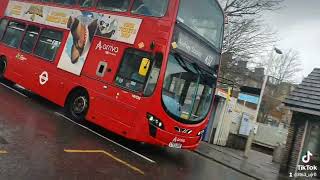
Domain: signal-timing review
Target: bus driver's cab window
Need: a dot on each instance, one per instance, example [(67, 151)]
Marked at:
[(128, 75)]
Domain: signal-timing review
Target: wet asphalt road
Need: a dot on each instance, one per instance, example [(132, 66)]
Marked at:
[(37, 143)]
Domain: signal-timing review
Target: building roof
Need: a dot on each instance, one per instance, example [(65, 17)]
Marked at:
[(306, 97)]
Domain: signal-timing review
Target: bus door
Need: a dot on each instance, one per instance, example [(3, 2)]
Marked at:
[(115, 101)]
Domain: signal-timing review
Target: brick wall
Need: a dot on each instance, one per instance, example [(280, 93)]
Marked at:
[(288, 148), (294, 156), (293, 145)]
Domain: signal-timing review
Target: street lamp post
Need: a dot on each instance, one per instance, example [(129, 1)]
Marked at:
[(251, 134)]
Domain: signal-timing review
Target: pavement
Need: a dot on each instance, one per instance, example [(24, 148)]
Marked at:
[(38, 142), (258, 165)]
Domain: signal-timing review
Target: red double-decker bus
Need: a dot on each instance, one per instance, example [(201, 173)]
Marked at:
[(144, 69)]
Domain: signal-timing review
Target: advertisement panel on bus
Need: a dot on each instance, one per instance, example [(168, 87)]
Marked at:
[(80, 23)]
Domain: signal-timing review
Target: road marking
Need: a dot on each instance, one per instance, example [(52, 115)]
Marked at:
[(108, 154), (136, 153), (14, 90), (3, 152)]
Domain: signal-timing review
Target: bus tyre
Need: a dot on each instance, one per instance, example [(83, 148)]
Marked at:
[(3, 66), (77, 106)]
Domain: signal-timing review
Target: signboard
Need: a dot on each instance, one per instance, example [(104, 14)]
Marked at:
[(83, 25), (249, 98), (245, 125), (196, 48), (221, 93)]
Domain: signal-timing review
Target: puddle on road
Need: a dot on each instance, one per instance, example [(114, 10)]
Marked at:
[(3, 140)]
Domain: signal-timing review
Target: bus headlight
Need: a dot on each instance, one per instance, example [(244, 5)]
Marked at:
[(200, 133), (155, 121)]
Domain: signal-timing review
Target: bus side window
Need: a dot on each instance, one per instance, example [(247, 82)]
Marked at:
[(3, 26), (128, 75), (154, 75), (46, 0), (14, 34), (48, 44), (30, 39), (150, 7), (65, 2), (114, 5), (86, 3)]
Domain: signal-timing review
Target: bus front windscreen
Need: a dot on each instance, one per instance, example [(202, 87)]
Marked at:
[(187, 91), (204, 17)]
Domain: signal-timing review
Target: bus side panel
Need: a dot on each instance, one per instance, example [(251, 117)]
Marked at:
[(3, 6)]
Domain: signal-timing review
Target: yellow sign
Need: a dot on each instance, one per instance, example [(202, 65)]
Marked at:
[(57, 17), (16, 10), (229, 94), (127, 30)]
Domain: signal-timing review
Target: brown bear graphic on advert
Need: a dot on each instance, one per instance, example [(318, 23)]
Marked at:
[(82, 35)]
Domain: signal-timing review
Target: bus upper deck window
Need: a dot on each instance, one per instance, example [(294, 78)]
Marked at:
[(86, 3), (14, 34), (114, 5), (150, 7)]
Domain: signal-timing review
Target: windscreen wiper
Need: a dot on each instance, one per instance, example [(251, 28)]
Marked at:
[(181, 62)]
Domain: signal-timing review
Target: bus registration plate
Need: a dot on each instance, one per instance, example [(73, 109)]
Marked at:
[(175, 145)]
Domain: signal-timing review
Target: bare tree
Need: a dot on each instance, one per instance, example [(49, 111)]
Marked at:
[(284, 67), (240, 8), (282, 70), (245, 34), (247, 38)]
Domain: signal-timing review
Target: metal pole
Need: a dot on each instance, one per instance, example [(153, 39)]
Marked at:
[(266, 77), (251, 134)]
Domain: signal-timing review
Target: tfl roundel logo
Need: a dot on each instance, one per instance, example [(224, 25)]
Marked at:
[(43, 78)]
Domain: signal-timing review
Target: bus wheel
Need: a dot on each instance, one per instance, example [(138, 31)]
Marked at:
[(78, 105), (3, 66)]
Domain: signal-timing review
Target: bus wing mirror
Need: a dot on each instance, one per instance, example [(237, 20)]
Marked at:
[(144, 67)]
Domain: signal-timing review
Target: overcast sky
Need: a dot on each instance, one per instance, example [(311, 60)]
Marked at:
[(298, 26)]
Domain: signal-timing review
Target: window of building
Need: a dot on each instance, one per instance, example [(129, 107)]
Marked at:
[(150, 7), (86, 3), (48, 44), (3, 25), (128, 75), (30, 39), (114, 5), (14, 34)]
